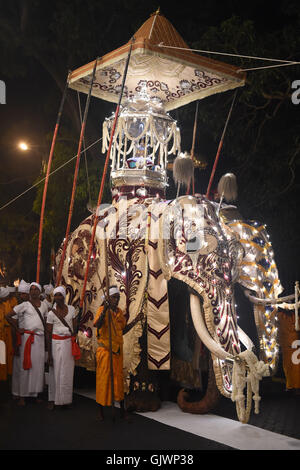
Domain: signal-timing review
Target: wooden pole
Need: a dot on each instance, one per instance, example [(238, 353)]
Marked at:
[(62, 259), (193, 150), (219, 148), (38, 267), (296, 306), (109, 327), (103, 180)]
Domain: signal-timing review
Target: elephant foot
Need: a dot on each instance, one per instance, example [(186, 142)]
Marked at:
[(142, 402), (204, 405)]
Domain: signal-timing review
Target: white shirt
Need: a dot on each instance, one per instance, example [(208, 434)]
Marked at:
[(28, 317), (58, 327)]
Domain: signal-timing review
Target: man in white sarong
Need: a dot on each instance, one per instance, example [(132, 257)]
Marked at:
[(62, 350), (31, 318), (23, 291)]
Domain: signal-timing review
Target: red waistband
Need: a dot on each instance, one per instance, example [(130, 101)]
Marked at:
[(74, 346), (60, 337)]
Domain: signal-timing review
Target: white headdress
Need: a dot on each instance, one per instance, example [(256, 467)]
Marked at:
[(24, 287), (48, 288), (112, 290), (61, 290), (4, 292), (37, 285), (11, 289)]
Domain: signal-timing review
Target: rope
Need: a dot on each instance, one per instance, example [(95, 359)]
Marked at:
[(247, 369), (50, 174), (285, 62), (268, 67)]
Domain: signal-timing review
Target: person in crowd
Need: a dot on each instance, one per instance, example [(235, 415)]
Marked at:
[(8, 302), (23, 296), (31, 317), (110, 349), (62, 350), (48, 295), (4, 295)]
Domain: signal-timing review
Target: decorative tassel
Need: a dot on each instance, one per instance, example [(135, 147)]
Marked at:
[(227, 187), (183, 169)]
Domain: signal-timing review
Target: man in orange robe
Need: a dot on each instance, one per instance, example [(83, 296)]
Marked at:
[(8, 302), (106, 348), (287, 336)]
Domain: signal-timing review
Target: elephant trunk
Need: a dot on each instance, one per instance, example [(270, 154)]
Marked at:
[(207, 403), (212, 395)]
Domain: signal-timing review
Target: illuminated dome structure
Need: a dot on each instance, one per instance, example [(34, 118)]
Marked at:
[(144, 138)]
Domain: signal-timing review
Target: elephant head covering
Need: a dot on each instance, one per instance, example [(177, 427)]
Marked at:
[(36, 285), (60, 290), (23, 287)]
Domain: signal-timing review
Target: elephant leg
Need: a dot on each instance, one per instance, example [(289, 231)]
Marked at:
[(143, 395), (207, 403)]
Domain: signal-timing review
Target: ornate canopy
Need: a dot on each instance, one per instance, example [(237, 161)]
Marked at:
[(169, 77)]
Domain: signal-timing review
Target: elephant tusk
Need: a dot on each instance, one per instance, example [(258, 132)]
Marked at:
[(202, 332), (245, 339)]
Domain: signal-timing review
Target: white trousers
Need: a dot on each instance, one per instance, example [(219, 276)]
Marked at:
[(61, 375), (32, 380)]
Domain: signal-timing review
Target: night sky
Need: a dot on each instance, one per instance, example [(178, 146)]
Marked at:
[(33, 96)]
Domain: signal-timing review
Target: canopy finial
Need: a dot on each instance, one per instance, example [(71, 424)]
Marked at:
[(157, 12)]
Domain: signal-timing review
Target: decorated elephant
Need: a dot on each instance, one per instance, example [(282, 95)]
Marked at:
[(157, 251)]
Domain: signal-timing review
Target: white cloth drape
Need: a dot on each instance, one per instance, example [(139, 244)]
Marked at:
[(29, 383), (32, 380), (61, 374), (60, 386)]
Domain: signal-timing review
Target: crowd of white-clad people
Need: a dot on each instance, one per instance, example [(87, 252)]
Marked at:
[(43, 331)]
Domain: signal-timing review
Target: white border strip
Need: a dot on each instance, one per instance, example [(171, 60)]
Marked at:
[(215, 428)]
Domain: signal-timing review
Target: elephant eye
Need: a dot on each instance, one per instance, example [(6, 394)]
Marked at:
[(193, 245)]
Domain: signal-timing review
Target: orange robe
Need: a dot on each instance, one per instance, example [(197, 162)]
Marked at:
[(103, 375), (287, 335), (5, 335)]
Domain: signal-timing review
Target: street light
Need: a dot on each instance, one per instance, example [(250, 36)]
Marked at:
[(23, 146)]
